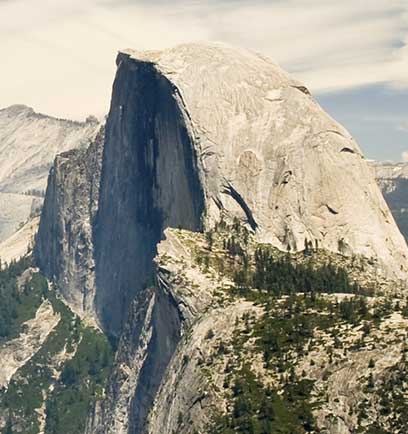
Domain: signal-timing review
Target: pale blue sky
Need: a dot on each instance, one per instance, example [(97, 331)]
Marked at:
[(58, 56), (376, 115)]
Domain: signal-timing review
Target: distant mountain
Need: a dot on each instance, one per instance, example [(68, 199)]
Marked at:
[(393, 181), (29, 142)]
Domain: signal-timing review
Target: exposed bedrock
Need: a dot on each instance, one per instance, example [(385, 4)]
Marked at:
[(149, 339), (64, 246), (193, 133), (271, 156), (150, 180)]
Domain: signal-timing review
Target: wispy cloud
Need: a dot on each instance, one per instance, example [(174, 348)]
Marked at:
[(59, 56)]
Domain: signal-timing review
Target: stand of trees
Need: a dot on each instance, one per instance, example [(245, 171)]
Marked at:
[(284, 276), (10, 297)]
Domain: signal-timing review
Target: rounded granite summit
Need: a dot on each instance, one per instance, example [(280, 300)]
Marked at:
[(269, 154)]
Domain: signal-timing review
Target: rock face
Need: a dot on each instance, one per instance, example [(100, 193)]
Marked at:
[(393, 181), (16, 352), (193, 134), (150, 180), (21, 242), (29, 142), (14, 210), (64, 246), (268, 153), (185, 389)]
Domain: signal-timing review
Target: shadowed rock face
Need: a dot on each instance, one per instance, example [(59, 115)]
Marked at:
[(195, 133), (150, 180), (166, 326), (29, 142), (272, 157), (64, 247)]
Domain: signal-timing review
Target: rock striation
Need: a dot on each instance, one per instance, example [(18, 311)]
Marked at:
[(29, 142), (150, 180), (268, 153), (64, 245), (196, 134)]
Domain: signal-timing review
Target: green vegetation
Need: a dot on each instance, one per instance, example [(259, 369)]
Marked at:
[(17, 305), (260, 410), (65, 377), (391, 390), (282, 276), (301, 314), (82, 382)]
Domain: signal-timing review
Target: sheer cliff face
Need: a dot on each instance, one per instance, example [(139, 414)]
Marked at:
[(195, 133), (64, 245), (29, 142), (150, 180), (273, 157)]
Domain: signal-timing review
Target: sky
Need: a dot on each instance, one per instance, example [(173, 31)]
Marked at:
[(59, 56)]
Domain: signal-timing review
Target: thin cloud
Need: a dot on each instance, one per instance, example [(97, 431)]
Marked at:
[(59, 57)]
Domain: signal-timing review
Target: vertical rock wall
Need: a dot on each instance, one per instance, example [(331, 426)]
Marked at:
[(64, 245), (150, 180)]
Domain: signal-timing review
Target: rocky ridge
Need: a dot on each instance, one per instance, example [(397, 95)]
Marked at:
[(64, 247), (220, 337), (240, 158), (328, 356), (29, 141)]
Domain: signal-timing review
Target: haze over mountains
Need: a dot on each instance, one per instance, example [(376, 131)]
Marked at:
[(393, 181), (29, 142), (223, 260)]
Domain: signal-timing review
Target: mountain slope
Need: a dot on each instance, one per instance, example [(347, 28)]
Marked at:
[(29, 142), (54, 367), (15, 208), (259, 357), (209, 138), (221, 130), (269, 153)]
